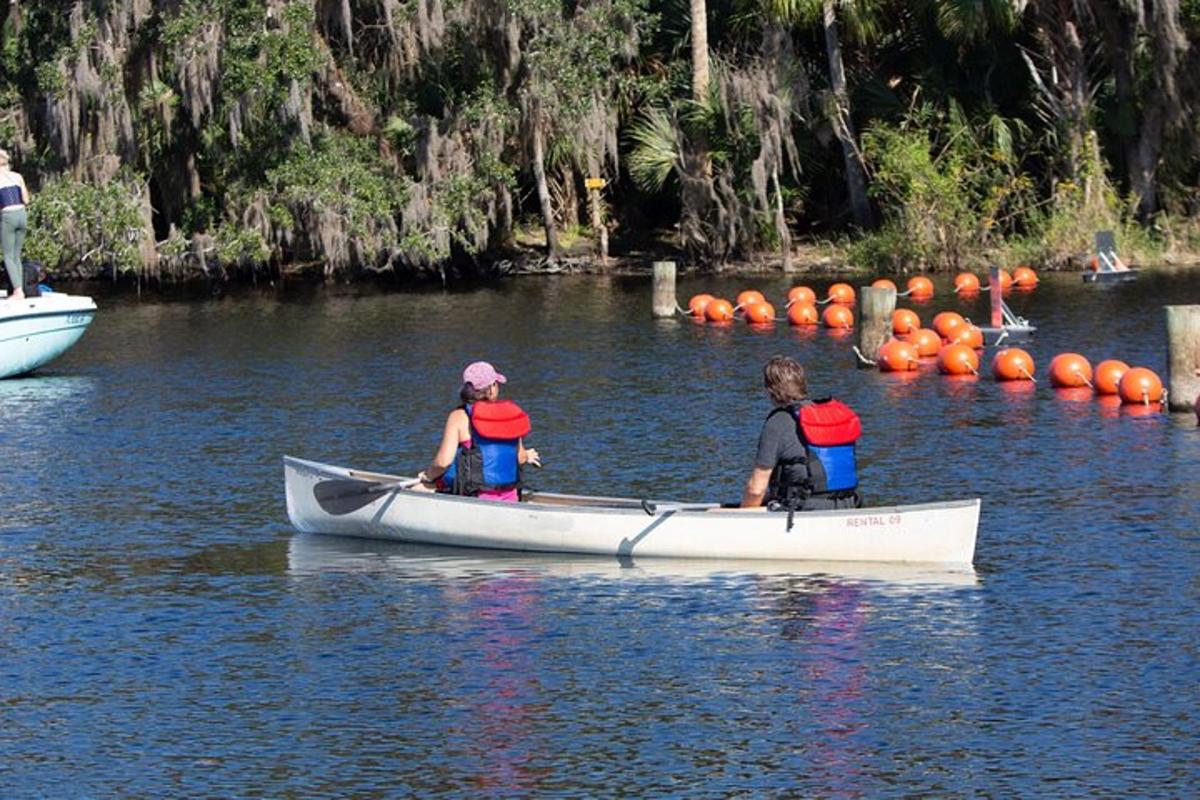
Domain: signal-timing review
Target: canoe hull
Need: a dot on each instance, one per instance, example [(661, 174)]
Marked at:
[(935, 533), (1110, 276), (36, 331)]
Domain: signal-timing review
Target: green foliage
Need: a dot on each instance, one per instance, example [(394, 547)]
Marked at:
[(340, 176), (76, 226), (949, 188)]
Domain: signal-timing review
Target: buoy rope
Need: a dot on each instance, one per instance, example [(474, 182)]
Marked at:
[(682, 310), (863, 358), (904, 294), (1025, 372)]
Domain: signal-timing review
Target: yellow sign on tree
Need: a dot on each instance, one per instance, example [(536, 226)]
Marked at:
[(595, 183)]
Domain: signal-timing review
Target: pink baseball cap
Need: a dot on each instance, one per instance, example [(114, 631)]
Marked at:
[(481, 375)]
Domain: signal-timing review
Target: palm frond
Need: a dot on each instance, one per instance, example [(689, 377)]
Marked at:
[(655, 152)]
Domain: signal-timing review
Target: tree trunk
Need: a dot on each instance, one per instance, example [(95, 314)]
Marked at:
[(843, 125), (1143, 166), (700, 75), (696, 178), (543, 190), (785, 236), (569, 207)]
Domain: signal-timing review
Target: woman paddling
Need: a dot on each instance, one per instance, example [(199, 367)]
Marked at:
[(482, 447), (13, 199)]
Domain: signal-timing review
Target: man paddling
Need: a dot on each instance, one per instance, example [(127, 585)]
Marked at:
[(805, 457)]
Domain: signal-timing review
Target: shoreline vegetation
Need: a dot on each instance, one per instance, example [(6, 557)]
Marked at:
[(252, 141)]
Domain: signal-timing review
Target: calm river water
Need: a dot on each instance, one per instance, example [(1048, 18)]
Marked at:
[(163, 632)]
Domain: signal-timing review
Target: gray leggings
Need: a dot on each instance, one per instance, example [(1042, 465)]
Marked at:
[(12, 239)]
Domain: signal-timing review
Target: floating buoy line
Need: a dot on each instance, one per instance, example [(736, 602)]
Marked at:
[(952, 342)]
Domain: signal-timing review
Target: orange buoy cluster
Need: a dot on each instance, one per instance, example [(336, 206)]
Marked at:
[(1111, 377), (883, 283)]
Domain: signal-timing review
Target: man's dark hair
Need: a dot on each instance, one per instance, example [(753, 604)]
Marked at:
[(784, 380)]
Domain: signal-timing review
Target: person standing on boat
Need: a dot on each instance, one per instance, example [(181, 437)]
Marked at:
[(14, 196), (483, 445), (805, 457)]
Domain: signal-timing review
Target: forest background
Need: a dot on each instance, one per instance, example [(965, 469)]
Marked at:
[(236, 139)]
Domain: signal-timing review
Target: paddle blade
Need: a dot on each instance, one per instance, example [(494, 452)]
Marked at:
[(338, 496)]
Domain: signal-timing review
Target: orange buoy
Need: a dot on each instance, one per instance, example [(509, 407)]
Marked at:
[(927, 342), (966, 334), (801, 294), (1006, 280), (883, 283), (842, 293), (1108, 376), (698, 303), (946, 322), (749, 296), (803, 314), (1140, 385), (719, 311), (1024, 278), (1013, 364), (838, 316), (897, 356), (904, 321), (1094, 264), (958, 359), (966, 283), (760, 313), (920, 287), (1070, 371)]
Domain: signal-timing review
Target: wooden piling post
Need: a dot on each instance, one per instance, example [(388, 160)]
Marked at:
[(997, 297), (877, 303), (1183, 356), (664, 289)]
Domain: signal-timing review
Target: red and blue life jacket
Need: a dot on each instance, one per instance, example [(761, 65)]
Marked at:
[(828, 429), (491, 461)]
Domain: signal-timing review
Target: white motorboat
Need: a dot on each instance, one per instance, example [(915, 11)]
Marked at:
[(36, 330), (327, 499)]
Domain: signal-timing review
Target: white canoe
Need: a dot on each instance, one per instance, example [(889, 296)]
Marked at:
[(335, 500), (38, 330)]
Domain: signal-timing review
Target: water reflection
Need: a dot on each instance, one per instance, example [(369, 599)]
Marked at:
[(310, 554)]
